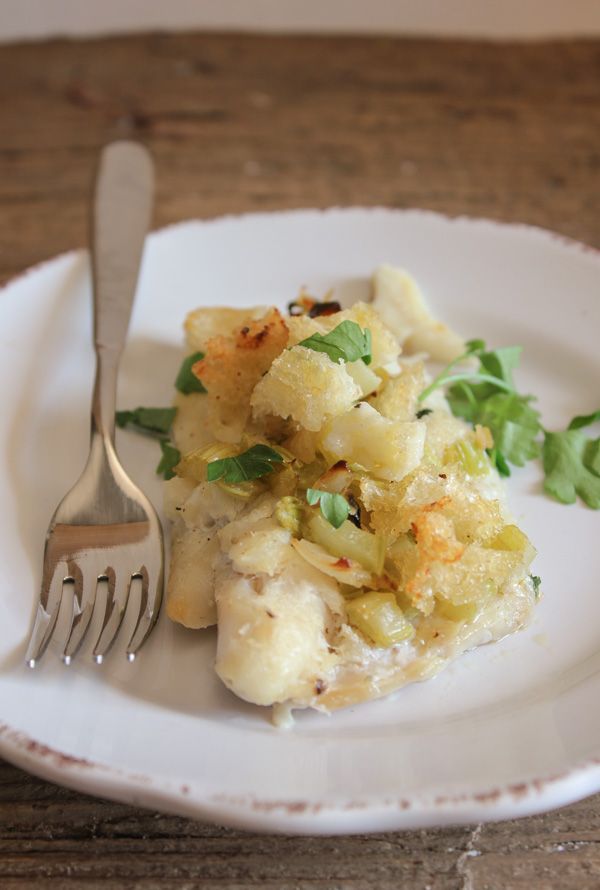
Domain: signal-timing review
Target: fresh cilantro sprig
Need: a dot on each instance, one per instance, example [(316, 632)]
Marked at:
[(572, 463), (348, 342), (257, 461), (186, 381), (334, 507), (152, 421)]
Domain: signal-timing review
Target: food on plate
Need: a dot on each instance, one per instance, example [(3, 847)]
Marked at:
[(345, 530)]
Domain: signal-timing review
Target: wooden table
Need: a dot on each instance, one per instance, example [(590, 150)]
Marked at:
[(239, 123)]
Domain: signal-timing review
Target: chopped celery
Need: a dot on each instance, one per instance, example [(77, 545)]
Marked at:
[(513, 540), (456, 612), (474, 460), (378, 616), (348, 541), (509, 538), (288, 513)]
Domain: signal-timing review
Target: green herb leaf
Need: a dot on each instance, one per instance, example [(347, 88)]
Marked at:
[(502, 362), (348, 342), (591, 456), (186, 381), (251, 464), (487, 396), (572, 463), (423, 413), (169, 460), (334, 507), (499, 461), (514, 425), (152, 421), (496, 369), (536, 581), (513, 422), (584, 420), (474, 347)]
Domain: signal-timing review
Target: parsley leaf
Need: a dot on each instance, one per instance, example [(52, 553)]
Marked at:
[(334, 507), (487, 396), (591, 457), (152, 421), (251, 464), (169, 460), (536, 581), (499, 460), (572, 463), (474, 347), (186, 381), (514, 425), (584, 420), (500, 363), (347, 343)]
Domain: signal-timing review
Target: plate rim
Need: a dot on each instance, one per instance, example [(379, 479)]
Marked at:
[(566, 240), (413, 811), (300, 817)]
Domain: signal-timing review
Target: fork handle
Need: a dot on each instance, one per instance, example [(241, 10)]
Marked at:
[(121, 216)]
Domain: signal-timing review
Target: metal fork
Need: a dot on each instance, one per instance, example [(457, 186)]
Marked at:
[(105, 529)]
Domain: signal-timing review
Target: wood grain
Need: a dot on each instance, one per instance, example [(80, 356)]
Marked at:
[(256, 123), (239, 123), (60, 839)]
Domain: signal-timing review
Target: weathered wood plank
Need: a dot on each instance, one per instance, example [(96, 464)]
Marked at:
[(64, 839), (247, 123)]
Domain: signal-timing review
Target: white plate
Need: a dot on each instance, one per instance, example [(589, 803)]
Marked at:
[(510, 729)]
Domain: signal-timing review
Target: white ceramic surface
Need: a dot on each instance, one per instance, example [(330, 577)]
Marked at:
[(510, 729)]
